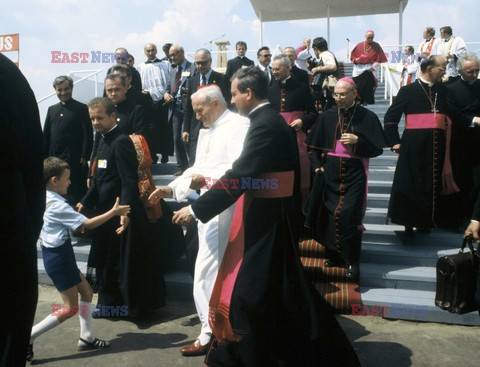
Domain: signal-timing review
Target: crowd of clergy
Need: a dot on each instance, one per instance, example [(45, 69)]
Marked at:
[(266, 152)]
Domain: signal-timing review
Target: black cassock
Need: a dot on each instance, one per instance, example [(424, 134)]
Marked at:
[(279, 313), (128, 267), (416, 198), (464, 104), (68, 135), (131, 119), (22, 199), (336, 204)]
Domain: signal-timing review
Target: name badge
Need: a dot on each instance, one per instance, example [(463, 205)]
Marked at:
[(102, 163), (186, 73)]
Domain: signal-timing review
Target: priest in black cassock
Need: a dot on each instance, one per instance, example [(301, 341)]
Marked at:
[(341, 142), (22, 198), (294, 101), (124, 269), (263, 310), (464, 103), (131, 117), (423, 178), (68, 135), (241, 61)]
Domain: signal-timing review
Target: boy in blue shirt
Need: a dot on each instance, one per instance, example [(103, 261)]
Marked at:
[(58, 257)]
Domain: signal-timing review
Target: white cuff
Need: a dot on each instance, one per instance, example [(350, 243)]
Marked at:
[(192, 213)]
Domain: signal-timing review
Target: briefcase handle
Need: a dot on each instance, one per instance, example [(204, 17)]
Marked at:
[(467, 241)]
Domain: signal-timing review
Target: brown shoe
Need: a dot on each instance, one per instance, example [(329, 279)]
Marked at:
[(195, 349)]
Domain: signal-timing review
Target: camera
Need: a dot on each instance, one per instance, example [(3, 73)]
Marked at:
[(311, 63)]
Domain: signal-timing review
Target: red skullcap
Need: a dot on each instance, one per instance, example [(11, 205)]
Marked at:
[(349, 81)]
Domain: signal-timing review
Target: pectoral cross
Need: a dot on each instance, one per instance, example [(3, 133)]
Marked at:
[(434, 110)]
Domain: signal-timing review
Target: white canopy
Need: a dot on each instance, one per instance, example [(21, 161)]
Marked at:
[(275, 10)]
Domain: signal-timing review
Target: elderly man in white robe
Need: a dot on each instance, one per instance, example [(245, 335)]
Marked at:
[(218, 147)]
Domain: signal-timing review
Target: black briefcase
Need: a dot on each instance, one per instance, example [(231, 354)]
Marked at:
[(456, 280)]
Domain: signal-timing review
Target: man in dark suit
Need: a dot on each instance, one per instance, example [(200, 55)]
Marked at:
[(301, 75), (463, 102), (288, 94), (264, 312), (23, 203), (238, 62), (205, 76), (121, 57), (68, 135), (176, 99), (264, 57)]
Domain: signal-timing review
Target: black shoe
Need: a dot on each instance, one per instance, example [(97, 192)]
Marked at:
[(424, 230), (164, 159), (331, 263), (408, 233), (353, 272), (30, 353)]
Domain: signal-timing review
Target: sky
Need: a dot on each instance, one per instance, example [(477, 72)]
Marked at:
[(91, 25)]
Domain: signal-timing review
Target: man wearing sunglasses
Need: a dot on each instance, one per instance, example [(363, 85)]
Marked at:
[(205, 76)]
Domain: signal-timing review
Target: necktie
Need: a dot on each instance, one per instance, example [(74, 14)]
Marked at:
[(176, 82), (267, 74), (204, 79)]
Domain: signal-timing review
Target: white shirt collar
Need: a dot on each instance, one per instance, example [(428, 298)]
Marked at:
[(426, 82), (257, 107)]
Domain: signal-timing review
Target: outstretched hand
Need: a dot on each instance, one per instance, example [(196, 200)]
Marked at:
[(182, 217), (120, 209)]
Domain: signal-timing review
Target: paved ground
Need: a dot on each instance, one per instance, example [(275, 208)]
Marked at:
[(378, 342)]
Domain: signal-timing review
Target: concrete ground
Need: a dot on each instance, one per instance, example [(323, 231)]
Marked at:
[(156, 342)]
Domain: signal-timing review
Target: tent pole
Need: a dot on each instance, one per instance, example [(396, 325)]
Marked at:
[(328, 25), (400, 25)]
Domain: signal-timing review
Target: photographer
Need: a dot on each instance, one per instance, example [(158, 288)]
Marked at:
[(326, 65)]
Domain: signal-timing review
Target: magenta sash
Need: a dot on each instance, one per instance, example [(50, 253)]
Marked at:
[(342, 151), (437, 121), (302, 154), (219, 305)]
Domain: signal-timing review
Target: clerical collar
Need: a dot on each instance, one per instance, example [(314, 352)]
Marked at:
[(152, 61), (257, 107), (425, 82), (346, 109), (66, 102), (109, 130), (284, 81)]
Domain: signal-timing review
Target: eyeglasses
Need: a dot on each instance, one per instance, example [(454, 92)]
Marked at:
[(266, 55), (341, 95), (474, 71), (202, 63)]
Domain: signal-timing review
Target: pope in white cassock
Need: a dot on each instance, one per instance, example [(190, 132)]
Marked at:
[(218, 147)]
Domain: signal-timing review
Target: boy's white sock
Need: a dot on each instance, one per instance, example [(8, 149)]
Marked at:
[(43, 326), (85, 316)]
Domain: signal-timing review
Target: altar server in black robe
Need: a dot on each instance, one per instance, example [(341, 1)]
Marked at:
[(423, 178), (22, 198), (68, 135), (342, 141), (241, 61), (272, 315), (464, 104), (126, 270), (131, 117)]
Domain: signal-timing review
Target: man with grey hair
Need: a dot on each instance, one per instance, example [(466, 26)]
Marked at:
[(293, 100), (205, 76), (463, 100), (298, 73), (218, 147), (68, 135)]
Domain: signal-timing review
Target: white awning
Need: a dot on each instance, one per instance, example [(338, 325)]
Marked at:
[(275, 10)]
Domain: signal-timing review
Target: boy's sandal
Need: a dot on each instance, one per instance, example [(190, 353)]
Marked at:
[(95, 344), (30, 353)]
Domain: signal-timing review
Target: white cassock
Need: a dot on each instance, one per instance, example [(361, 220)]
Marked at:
[(218, 147), (154, 78), (454, 46), (404, 73)]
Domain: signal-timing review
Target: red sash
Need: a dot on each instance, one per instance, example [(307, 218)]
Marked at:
[(437, 121), (219, 306), (302, 154), (145, 179)]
